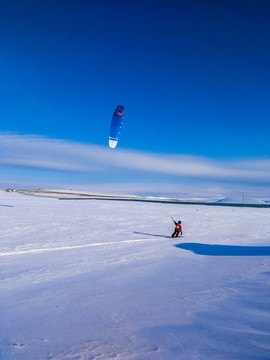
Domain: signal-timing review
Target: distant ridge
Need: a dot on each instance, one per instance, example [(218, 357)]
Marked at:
[(74, 195), (244, 200)]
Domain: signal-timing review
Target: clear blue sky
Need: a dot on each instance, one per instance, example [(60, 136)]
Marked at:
[(193, 75)]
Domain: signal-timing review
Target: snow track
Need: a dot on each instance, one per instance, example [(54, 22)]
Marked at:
[(61, 248)]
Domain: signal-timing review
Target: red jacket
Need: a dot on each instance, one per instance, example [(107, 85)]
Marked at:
[(178, 227)]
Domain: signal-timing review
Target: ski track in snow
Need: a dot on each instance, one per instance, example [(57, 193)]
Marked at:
[(62, 248)]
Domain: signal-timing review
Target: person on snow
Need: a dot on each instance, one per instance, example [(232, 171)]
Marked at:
[(178, 229)]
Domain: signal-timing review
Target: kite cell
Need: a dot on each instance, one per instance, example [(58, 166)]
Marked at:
[(116, 125)]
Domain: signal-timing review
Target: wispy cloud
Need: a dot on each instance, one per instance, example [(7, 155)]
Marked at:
[(60, 155)]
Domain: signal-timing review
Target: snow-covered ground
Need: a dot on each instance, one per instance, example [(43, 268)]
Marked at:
[(99, 280)]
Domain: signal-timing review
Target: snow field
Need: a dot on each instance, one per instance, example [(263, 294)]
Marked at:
[(98, 280)]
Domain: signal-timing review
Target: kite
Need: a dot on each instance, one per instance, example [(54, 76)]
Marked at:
[(116, 125)]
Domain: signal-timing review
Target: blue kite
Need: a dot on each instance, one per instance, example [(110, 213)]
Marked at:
[(116, 125)]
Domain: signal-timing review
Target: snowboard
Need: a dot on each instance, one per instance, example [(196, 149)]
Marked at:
[(177, 237)]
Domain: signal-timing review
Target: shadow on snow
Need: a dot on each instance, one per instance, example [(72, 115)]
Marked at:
[(142, 233), (225, 250)]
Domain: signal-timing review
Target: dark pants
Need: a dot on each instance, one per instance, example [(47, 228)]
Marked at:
[(175, 234)]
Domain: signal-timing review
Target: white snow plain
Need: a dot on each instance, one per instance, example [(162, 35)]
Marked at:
[(98, 279)]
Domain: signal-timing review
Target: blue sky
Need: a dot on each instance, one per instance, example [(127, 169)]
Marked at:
[(193, 75)]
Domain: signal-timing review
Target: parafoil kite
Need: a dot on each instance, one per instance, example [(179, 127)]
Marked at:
[(116, 125)]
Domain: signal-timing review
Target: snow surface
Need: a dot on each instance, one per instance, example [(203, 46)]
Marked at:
[(98, 280)]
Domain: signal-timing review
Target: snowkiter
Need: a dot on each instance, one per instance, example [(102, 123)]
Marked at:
[(178, 229)]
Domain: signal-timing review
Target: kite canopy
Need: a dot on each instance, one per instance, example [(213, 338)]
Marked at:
[(116, 125)]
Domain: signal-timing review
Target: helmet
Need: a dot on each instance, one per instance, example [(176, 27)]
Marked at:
[(179, 222)]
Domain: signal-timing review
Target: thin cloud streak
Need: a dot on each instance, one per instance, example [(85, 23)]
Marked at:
[(60, 155)]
